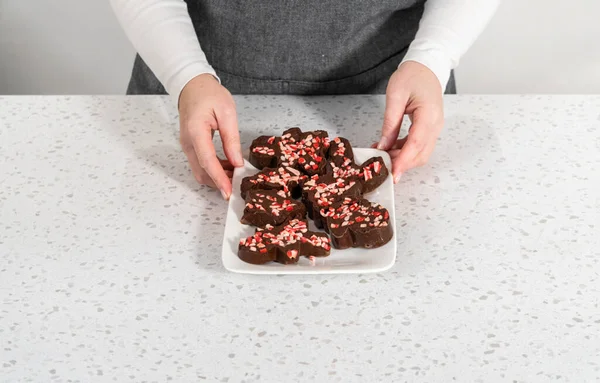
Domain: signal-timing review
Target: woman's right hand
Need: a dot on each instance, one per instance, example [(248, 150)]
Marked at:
[(204, 107)]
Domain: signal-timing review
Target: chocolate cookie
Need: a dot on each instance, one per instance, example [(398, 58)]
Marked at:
[(356, 222), (374, 172), (284, 244), (323, 191), (271, 207), (288, 179)]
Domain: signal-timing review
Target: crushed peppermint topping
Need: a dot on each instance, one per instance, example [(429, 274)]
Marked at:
[(274, 204), (264, 150), (345, 171), (326, 193), (340, 150), (282, 176), (374, 166), (294, 231), (351, 211), (304, 152)]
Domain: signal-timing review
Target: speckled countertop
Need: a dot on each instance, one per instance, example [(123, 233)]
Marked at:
[(110, 264)]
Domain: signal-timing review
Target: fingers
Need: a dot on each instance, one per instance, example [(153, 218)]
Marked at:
[(197, 144), (397, 145), (400, 143), (207, 159), (404, 160), (204, 107), (418, 145), (395, 103), (199, 173), (413, 89), (228, 129)]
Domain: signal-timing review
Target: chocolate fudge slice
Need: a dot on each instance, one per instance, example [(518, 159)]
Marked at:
[(271, 207), (295, 239), (357, 222), (323, 191), (264, 152), (288, 179), (374, 172), (305, 151), (284, 244), (257, 249), (340, 152)]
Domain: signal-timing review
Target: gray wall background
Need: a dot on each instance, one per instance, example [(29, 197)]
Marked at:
[(77, 47)]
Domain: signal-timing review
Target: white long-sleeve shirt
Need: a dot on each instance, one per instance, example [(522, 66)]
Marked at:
[(162, 33)]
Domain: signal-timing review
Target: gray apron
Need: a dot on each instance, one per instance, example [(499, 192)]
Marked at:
[(305, 47)]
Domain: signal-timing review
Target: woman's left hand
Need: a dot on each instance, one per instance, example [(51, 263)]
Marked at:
[(413, 90)]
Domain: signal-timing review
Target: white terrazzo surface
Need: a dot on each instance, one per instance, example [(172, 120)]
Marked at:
[(110, 263)]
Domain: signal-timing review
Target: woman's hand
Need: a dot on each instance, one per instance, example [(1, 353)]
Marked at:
[(414, 90), (204, 107)]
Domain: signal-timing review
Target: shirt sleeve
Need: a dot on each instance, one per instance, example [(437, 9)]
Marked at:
[(162, 33), (446, 31)]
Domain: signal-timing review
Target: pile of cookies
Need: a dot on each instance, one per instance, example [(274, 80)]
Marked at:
[(307, 173)]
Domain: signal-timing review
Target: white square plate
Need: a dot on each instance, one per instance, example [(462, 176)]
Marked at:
[(354, 260)]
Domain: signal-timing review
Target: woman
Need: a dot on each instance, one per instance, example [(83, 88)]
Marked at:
[(201, 51)]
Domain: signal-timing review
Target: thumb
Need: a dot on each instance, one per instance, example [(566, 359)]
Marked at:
[(395, 104)]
